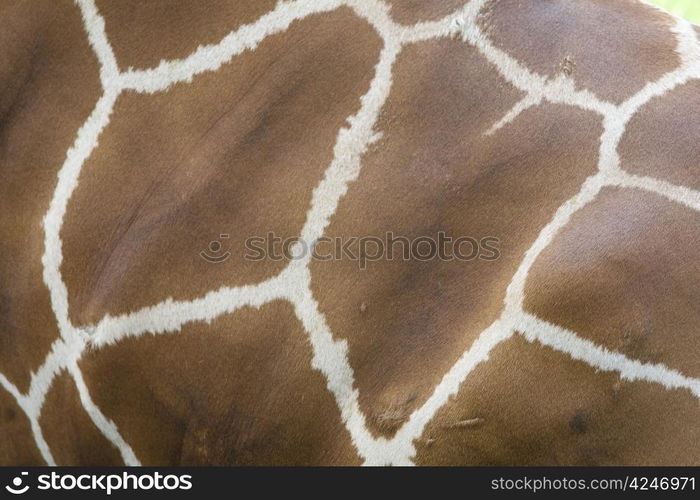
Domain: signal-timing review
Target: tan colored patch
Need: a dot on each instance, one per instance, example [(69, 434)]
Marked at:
[(17, 447), (69, 431), (236, 152), (662, 139), (144, 33), (625, 274), (633, 42), (407, 322), (413, 11), (48, 87), (238, 391), (540, 407)]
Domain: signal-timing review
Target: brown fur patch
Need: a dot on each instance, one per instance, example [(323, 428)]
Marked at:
[(414, 11), (239, 391), (540, 407), (633, 42), (434, 170), (144, 33), (17, 445), (226, 154), (625, 274), (662, 139), (48, 86)]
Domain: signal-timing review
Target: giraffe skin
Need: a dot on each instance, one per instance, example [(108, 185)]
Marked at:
[(343, 117)]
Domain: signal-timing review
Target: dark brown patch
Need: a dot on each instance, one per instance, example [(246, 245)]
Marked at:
[(624, 273), (528, 394), (236, 152), (618, 46), (662, 140), (434, 170), (69, 431), (144, 33), (414, 11), (17, 447), (579, 422), (48, 87), (238, 391)]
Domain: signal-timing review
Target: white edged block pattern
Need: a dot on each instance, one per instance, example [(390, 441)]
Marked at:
[(330, 355)]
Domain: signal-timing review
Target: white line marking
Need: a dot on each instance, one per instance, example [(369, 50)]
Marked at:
[(212, 57), (95, 27), (563, 340), (679, 194), (85, 143), (106, 426)]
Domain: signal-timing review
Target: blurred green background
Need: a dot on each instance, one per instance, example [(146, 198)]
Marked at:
[(690, 9)]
